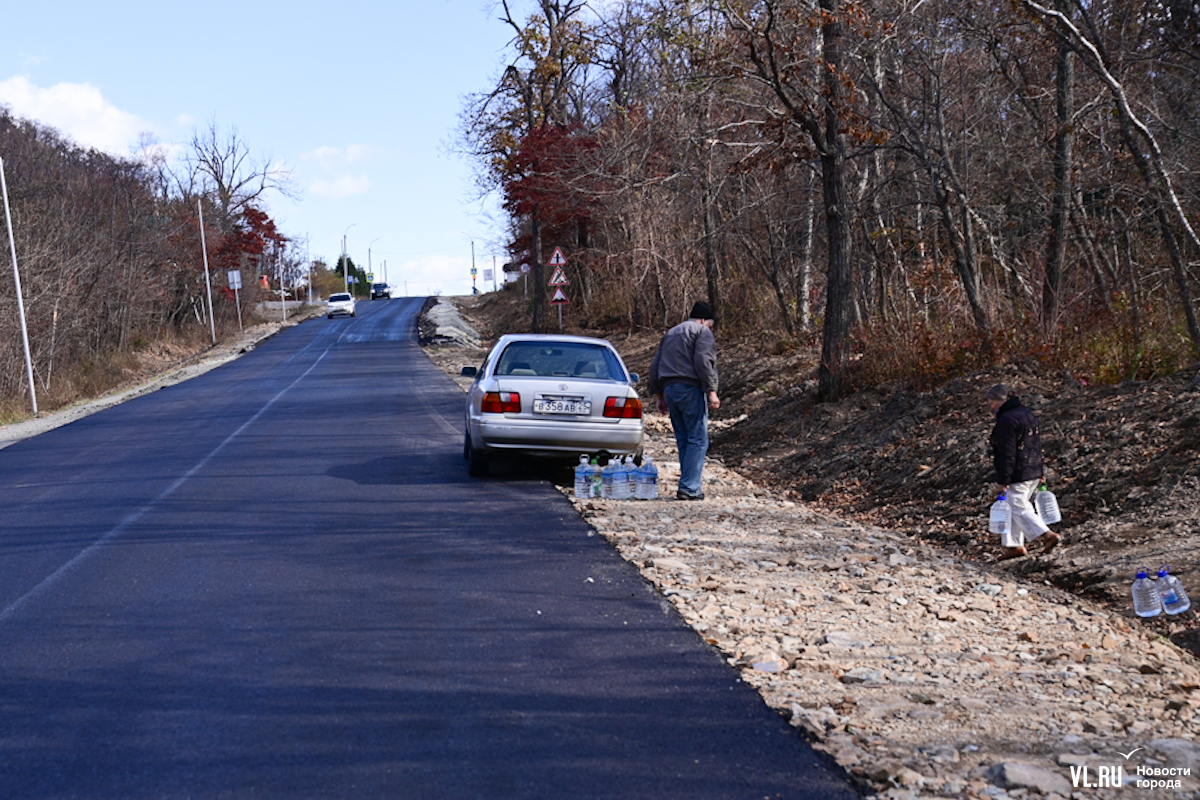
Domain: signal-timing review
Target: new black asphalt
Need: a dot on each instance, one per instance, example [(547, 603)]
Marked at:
[(277, 581)]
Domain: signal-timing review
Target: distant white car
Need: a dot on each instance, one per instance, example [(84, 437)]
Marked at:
[(340, 303), (552, 397)]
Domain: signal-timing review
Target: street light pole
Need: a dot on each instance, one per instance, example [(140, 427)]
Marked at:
[(345, 270), (370, 271)]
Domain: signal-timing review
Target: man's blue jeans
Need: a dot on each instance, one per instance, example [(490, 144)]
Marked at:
[(689, 418)]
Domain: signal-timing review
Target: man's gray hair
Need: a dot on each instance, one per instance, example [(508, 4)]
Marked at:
[(999, 392)]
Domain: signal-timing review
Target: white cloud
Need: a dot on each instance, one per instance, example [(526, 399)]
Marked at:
[(77, 110), (335, 156), (344, 186)]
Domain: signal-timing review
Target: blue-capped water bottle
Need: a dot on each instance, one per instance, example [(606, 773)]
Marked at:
[(1174, 598), (583, 478), (1146, 600), (1000, 516), (647, 480), (622, 481), (606, 478)]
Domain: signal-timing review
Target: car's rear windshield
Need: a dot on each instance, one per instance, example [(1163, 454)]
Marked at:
[(338, 298), (560, 360)]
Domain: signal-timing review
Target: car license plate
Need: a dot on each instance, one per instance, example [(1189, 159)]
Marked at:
[(546, 406)]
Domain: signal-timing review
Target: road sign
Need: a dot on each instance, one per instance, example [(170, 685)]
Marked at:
[(235, 279), (370, 277), (558, 259), (559, 278), (524, 269), (559, 297)]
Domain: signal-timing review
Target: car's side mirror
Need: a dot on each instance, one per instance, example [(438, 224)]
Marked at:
[(634, 377), (468, 372)]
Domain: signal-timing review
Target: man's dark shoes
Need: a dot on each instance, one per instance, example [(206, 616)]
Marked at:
[(681, 495)]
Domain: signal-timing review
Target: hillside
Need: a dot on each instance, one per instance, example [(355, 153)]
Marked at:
[(1122, 459)]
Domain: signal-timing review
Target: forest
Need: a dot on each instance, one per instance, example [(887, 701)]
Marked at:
[(110, 255), (913, 188)]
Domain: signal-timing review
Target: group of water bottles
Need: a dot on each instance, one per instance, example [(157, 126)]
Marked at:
[(1151, 598), (1000, 517), (621, 479)]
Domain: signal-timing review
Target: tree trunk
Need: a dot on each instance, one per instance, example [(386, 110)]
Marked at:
[(839, 278), (1063, 153), (539, 272)]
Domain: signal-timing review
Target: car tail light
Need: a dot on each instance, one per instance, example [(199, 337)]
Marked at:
[(501, 403), (623, 408)]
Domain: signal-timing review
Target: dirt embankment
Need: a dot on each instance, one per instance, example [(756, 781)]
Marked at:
[(1121, 459)]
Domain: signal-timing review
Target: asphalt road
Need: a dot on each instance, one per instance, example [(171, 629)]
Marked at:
[(277, 581)]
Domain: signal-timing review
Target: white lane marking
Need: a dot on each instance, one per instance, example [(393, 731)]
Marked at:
[(49, 581)]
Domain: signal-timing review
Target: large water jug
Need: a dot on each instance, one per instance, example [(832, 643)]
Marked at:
[(622, 482), (583, 478), (606, 478), (1000, 516), (1047, 506), (1146, 600), (1174, 598), (647, 480)]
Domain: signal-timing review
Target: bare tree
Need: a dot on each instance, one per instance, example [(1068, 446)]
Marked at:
[(221, 166)]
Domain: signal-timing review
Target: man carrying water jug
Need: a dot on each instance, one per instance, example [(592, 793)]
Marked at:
[(1016, 447)]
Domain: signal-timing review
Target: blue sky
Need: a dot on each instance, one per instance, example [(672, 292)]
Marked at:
[(358, 99)]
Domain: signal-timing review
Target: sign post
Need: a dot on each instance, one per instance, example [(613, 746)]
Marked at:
[(235, 283), (559, 280)]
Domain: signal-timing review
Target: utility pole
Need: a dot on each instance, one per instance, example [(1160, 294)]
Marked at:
[(12, 246)]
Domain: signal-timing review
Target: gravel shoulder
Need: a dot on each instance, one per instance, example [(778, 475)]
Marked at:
[(921, 672)]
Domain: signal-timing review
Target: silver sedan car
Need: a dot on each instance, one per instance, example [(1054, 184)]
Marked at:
[(340, 303), (553, 397)]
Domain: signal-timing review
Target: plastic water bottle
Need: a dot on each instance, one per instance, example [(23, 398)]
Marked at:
[(647, 480), (1000, 517), (1146, 600), (596, 478), (1174, 598), (583, 478), (621, 483), (1047, 505), (606, 479)]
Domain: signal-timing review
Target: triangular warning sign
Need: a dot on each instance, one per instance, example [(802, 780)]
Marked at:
[(559, 278), (558, 259), (559, 296)]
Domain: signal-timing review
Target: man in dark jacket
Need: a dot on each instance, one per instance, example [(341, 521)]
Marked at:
[(1016, 444), (683, 380)]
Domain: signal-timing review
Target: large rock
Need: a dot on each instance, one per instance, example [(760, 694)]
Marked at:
[(1015, 775), (1178, 752), (848, 639)]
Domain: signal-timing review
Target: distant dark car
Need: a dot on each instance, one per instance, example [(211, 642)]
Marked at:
[(379, 290)]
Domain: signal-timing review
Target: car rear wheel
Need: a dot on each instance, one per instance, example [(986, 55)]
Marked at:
[(477, 460)]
